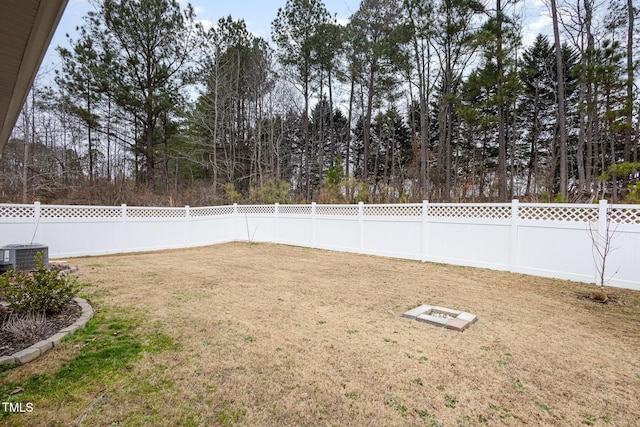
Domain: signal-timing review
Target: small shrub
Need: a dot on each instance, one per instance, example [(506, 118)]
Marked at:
[(43, 290), (273, 191), (634, 193), (233, 196), (599, 296)]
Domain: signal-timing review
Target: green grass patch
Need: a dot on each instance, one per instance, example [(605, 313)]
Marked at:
[(450, 402), (4, 368), (150, 274), (352, 395), (543, 407), (504, 413), (107, 348), (518, 386), (226, 416), (394, 403), (429, 418)]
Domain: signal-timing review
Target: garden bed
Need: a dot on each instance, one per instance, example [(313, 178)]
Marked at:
[(28, 334)]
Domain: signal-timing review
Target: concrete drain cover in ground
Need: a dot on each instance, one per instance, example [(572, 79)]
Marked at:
[(442, 316)]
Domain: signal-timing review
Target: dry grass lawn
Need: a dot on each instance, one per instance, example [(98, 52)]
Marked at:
[(272, 335)]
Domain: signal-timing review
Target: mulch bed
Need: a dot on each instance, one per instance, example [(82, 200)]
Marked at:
[(10, 343)]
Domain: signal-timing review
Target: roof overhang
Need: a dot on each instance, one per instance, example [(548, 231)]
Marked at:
[(26, 28)]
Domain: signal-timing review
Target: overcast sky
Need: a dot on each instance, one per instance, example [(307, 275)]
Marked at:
[(259, 14)]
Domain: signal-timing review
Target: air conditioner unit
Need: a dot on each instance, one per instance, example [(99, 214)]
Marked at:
[(22, 257)]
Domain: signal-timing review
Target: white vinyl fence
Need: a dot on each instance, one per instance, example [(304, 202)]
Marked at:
[(551, 240)]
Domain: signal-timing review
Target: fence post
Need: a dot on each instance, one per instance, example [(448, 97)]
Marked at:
[(313, 224), (187, 216), (425, 231), (360, 227), (123, 208), (276, 215), (513, 261)]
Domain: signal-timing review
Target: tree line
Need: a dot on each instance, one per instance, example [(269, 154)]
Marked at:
[(409, 100)]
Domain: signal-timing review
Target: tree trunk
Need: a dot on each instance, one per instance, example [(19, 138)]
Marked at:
[(424, 124), (582, 131), (590, 142), (332, 130), (347, 160), (367, 125), (562, 127), (305, 136), (502, 140), (89, 139), (149, 157), (630, 68), (422, 67)]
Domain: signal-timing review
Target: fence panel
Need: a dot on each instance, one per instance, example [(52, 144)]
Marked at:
[(623, 266), (295, 225), (550, 240), (337, 233), (211, 225), (470, 243), (474, 235), (255, 223), (18, 224), (392, 237)]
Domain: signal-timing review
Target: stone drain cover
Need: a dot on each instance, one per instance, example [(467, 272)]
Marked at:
[(442, 316)]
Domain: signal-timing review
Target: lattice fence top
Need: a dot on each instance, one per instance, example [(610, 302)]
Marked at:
[(211, 211), (294, 209), (156, 212), (338, 210), (625, 214), (393, 210), (558, 213), (256, 209), (17, 211), (502, 211), (80, 212)]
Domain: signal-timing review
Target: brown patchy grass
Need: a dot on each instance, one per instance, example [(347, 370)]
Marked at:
[(275, 335)]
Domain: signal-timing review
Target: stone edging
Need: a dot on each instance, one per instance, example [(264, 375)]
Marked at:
[(41, 347)]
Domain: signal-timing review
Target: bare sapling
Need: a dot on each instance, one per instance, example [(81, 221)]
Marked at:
[(601, 247)]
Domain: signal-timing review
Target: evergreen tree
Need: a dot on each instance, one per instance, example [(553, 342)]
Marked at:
[(455, 41), (79, 80), (379, 35), (148, 44), (294, 32)]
